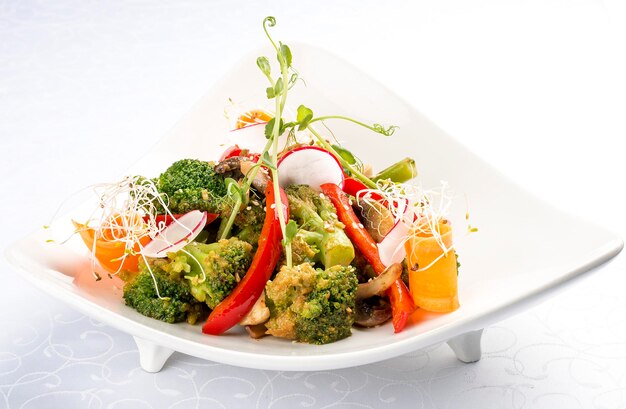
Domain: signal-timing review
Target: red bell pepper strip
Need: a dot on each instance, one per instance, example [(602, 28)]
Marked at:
[(234, 307), (402, 304), (254, 157), (165, 218), (353, 186)]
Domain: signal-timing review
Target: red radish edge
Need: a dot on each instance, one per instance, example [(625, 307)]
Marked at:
[(162, 245), (391, 248), (309, 178), (169, 219)]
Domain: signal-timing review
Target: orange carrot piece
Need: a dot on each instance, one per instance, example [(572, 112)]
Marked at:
[(109, 252), (256, 116), (433, 273)]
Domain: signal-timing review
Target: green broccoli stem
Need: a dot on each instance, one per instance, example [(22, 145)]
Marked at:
[(318, 227), (355, 172), (311, 219), (311, 237), (247, 182), (399, 172)]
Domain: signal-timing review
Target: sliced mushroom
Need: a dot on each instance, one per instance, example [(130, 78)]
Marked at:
[(258, 314), (230, 168), (261, 179), (380, 284), (377, 219), (256, 331), (372, 312)]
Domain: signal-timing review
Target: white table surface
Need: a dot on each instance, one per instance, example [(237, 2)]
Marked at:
[(535, 87)]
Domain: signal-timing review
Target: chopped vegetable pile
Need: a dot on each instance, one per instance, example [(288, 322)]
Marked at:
[(288, 233)]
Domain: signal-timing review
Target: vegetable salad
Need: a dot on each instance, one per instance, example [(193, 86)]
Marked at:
[(288, 233)]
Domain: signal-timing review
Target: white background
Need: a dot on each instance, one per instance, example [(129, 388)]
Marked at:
[(535, 87)]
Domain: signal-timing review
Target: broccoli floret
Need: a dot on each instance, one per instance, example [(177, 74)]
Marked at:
[(223, 264), (191, 173), (311, 305), (176, 303), (319, 228), (180, 279), (192, 184), (249, 220), (304, 248)]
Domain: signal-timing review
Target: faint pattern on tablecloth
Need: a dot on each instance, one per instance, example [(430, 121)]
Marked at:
[(79, 79)]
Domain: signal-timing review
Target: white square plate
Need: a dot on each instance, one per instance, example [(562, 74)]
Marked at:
[(523, 251)]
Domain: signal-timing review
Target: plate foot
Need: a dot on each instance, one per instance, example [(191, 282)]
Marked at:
[(466, 346), (152, 357)]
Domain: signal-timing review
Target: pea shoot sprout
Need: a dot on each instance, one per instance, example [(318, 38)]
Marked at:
[(278, 90)]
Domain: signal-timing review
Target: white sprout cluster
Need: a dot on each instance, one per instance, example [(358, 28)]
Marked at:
[(126, 214), (420, 210)]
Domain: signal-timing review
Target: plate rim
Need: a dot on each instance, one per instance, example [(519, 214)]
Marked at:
[(328, 361), (596, 258)]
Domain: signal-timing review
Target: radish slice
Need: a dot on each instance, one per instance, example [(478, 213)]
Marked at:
[(251, 137), (309, 165), (391, 248), (176, 235)]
